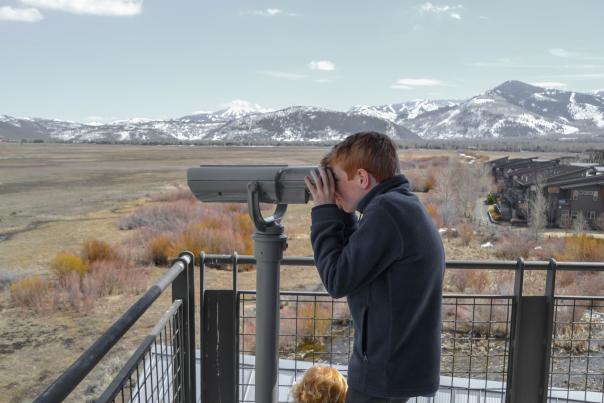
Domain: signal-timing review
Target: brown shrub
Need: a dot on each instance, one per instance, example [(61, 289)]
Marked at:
[(432, 209), (247, 338), (513, 245), (305, 327), (95, 249), (429, 183), (166, 217), (476, 316), (196, 238), (582, 248), (244, 225), (160, 249), (30, 292), (547, 248), (104, 278), (471, 281), (314, 319), (65, 264), (466, 233), (167, 229), (179, 193), (111, 277)]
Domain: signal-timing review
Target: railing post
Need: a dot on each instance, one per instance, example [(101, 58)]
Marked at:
[(235, 264), (518, 285), (183, 288), (550, 294), (218, 355), (530, 342)]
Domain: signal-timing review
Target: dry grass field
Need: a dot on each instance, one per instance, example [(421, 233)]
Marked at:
[(54, 197)]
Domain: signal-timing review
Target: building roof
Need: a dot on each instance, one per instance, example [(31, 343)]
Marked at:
[(571, 183)]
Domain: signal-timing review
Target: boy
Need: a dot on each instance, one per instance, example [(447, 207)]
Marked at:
[(389, 264)]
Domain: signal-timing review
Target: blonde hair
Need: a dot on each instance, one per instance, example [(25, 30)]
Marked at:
[(320, 385)]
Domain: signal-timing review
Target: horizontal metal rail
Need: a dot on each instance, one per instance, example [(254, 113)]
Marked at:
[(451, 264), (70, 379)]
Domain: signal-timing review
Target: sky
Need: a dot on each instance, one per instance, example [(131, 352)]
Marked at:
[(104, 60)]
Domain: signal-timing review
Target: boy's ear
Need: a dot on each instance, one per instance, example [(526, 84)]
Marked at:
[(364, 178)]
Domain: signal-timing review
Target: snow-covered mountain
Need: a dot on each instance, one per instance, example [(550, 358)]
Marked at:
[(234, 110), (304, 124), (599, 93), (512, 109), (400, 113), (515, 109), (289, 125)]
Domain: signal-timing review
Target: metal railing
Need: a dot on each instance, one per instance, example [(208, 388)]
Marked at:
[(507, 348), (163, 365), (504, 348), (577, 349)]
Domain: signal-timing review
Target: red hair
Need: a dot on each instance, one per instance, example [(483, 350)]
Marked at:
[(374, 152)]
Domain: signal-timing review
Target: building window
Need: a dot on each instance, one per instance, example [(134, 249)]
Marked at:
[(574, 214), (575, 195), (591, 215), (564, 213), (596, 195)]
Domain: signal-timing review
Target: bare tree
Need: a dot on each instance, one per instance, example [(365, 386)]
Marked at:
[(537, 210), (580, 224), (446, 193), (600, 222)]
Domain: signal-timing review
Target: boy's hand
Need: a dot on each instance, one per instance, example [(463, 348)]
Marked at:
[(322, 187)]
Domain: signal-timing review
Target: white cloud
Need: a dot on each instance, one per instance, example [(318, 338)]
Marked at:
[(269, 12), (584, 66), (579, 75), (550, 84), (565, 54), (451, 11), (281, 74), (559, 52), (418, 82), (117, 8), (323, 65), (505, 62), (322, 80), (8, 13)]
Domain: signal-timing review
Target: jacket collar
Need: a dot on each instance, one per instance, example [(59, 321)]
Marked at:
[(398, 181)]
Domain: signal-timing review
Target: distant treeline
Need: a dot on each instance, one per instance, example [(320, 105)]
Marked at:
[(594, 146)]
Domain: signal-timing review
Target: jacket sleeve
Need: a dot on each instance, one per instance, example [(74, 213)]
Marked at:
[(347, 260)]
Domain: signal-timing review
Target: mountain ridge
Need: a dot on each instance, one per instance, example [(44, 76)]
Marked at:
[(511, 109)]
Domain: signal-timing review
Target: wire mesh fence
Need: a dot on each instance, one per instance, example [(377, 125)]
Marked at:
[(577, 351), (316, 329), (475, 344), (154, 373)]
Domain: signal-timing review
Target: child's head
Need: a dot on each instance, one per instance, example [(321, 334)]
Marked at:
[(320, 385), (358, 163), (371, 151)]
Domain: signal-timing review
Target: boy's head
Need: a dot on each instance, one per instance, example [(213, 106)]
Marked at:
[(358, 163), (320, 385)]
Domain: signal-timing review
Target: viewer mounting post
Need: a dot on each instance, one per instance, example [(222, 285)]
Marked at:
[(255, 184)]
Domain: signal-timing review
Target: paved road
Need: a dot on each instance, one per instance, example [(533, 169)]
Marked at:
[(480, 213)]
